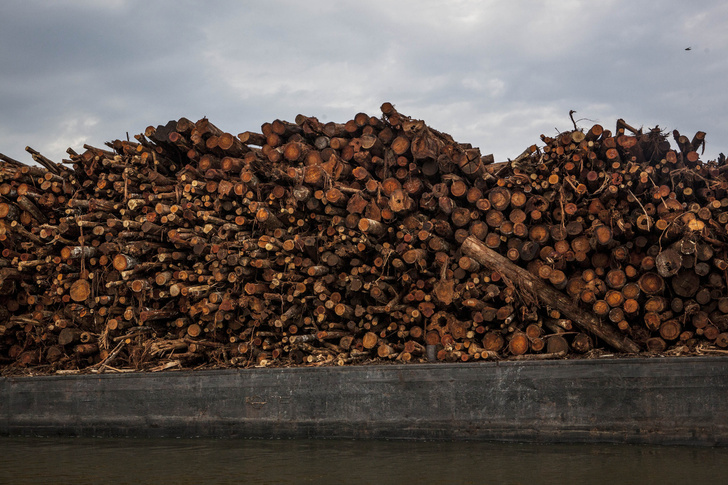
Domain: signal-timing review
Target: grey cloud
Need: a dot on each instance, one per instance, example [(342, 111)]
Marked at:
[(492, 73)]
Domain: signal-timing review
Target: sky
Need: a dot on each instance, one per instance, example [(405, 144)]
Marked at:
[(496, 74)]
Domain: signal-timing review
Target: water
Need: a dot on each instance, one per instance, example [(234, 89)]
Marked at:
[(160, 462)]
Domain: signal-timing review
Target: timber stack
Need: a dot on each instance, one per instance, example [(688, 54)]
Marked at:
[(376, 239)]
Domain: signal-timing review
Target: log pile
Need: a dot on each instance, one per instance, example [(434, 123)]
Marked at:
[(379, 238)]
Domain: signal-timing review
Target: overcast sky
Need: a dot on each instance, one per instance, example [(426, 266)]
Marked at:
[(496, 74)]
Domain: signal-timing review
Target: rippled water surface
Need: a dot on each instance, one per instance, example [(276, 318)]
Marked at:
[(135, 461)]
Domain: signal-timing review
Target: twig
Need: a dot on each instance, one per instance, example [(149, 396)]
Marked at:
[(133, 333), (714, 351), (204, 343), (571, 115), (643, 208), (553, 355), (112, 355)]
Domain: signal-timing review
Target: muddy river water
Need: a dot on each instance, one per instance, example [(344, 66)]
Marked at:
[(203, 461)]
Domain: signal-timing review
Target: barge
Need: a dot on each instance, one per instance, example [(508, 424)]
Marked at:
[(668, 400)]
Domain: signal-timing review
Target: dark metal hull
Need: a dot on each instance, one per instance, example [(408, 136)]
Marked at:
[(629, 400)]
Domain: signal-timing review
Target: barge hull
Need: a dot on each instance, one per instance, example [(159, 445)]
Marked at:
[(676, 400)]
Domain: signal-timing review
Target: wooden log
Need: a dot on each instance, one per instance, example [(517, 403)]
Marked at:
[(686, 283), (80, 290), (540, 292), (582, 343), (518, 344), (556, 343), (668, 262)]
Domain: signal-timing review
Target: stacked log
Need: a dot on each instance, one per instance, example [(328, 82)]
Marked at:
[(379, 238)]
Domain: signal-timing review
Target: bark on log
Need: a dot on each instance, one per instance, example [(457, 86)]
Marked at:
[(534, 287)]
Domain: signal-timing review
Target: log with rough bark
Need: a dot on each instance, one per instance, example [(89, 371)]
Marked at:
[(540, 293)]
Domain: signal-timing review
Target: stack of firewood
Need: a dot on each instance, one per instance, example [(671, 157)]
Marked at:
[(379, 238)]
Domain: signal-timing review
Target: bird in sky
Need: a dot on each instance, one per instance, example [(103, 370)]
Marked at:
[(688, 48)]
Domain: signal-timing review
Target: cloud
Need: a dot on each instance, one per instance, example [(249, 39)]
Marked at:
[(73, 132), (495, 74)]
